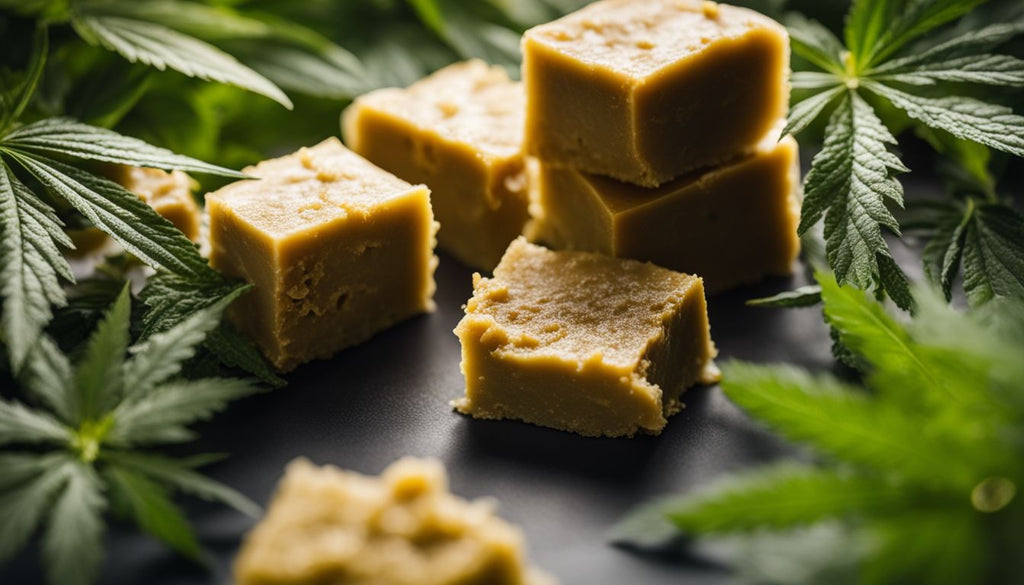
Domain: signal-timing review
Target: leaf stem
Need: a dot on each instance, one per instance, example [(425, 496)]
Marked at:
[(33, 73), (89, 438), (969, 212), (851, 75)]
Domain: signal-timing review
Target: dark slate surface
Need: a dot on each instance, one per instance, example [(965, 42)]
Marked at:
[(389, 397)]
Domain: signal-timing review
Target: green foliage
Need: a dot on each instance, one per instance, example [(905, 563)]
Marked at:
[(869, 333), (469, 29), (183, 36), (331, 73), (983, 237), (885, 64), (19, 424), (807, 111), (54, 154), (805, 296), (161, 47), (385, 44), (235, 350), (62, 137), (783, 496), (96, 377), (962, 58), (932, 447), (82, 432), (25, 495), (993, 255), (162, 355), (170, 298), (180, 475), (776, 497), (851, 179), (48, 378), (153, 510), (161, 416), (73, 540), (32, 264), (31, 251)]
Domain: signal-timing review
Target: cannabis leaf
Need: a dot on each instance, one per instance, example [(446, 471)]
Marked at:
[(235, 350), (297, 58), (805, 296), (329, 72), (151, 507), (33, 236), (171, 298), (73, 539), (203, 21), (775, 496), (807, 111), (934, 445), (983, 237), (850, 178), (31, 264), (960, 59), (942, 254), (471, 31), (993, 253), (150, 42), (46, 152), (67, 137), (89, 418), (852, 181), (203, 41)]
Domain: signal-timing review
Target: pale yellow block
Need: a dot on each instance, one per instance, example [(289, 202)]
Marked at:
[(646, 90), (583, 342), (337, 249), (731, 225), (460, 132), (330, 526), (169, 194)]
